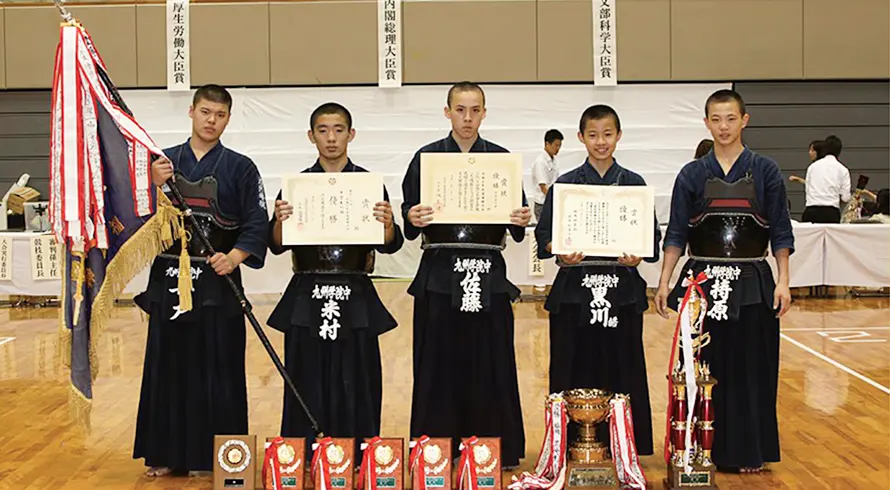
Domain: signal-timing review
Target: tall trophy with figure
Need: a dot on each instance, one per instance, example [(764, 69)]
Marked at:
[(690, 412)]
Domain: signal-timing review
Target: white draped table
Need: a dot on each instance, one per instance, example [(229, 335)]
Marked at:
[(831, 255)]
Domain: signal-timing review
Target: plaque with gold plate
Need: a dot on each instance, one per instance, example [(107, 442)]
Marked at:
[(431, 461), (382, 464), (589, 463), (333, 463), (284, 463), (234, 462), (484, 455)]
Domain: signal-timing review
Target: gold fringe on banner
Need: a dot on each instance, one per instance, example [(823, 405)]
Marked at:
[(156, 235)]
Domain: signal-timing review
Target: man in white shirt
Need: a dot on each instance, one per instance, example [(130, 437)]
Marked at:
[(544, 170), (828, 184)]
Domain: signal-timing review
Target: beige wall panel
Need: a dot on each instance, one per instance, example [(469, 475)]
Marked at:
[(489, 41), (32, 35), (151, 45), (565, 40), (846, 40), (644, 39), (2, 48), (768, 43), (565, 37), (304, 49), (229, 44)]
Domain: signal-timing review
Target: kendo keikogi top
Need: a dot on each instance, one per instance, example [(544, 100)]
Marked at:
[(226, 195)]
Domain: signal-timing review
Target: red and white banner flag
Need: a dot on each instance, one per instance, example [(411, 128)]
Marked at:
[(550, 470), (624, 445), (77, 203)]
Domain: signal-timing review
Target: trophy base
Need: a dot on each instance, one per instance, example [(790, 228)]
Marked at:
[(582, 476), (587, 453), (700, 478)]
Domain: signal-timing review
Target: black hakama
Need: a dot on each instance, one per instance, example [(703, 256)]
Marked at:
[(743, 356), (585, 355), (193, 381), (465, 374), (341, 379)]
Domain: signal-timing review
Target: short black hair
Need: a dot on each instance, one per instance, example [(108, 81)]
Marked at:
[(704, 146), (884, 201), (598, 111), (833, 146), (213, 93), (819, 147), (464, 86), (725, 95), (330, 108), (553, 135)]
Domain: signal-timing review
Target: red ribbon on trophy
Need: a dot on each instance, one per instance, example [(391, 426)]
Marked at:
[(691, 284), (466, 473), (418, 469), (320, 463), (624, 444), (550, 470), (368, 470), (271, 463)]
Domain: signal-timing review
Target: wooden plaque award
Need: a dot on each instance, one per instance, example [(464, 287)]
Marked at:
[(235, 462), (340, 458), (289, 456), (487, 461), (389, 462), (436, 463)]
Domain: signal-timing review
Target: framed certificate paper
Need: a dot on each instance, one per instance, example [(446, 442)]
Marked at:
[(603, 220), (471, 188), (332, 209)]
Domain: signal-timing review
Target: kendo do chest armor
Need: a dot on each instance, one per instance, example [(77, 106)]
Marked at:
[(220, 230), (333, 259), (731, 225), (486, 237)]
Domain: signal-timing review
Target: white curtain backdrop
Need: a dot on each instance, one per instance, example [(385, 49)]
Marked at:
[(661, 124)]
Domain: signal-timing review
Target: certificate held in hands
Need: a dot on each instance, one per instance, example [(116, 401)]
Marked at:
[(471, 188), (332, 209), (603, 220)]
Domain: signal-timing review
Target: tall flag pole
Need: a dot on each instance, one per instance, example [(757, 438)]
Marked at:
[(107, 216), (106, 213)]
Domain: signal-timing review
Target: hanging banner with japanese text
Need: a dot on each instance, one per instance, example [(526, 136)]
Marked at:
[(44, 258), (535, 266), (5, 258), (389, 44), (178, 59), (605, 56)]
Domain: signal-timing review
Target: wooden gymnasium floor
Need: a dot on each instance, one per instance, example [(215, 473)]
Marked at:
[(833, 396)]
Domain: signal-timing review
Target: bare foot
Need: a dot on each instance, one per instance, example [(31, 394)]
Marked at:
[(751, 469), (200, 474), (156, 471)]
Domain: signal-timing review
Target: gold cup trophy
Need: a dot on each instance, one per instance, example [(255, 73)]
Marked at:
[(590, 464)]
